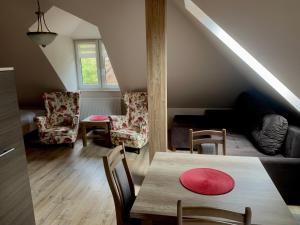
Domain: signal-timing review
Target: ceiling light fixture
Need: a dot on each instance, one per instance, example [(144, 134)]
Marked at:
[(40, 36)]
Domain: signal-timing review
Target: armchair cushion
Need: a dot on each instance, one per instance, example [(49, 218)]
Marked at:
[(60, 131), (58, 137), (130, 138), (61, 120)]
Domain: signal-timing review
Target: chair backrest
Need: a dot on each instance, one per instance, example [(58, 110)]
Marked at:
[(137, 108), (120, 182), (193, 215), (61, 107), (198, 138)]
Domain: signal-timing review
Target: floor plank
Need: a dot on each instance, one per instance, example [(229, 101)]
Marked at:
[(69, 186)]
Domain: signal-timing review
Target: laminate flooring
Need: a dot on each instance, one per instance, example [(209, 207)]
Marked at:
[(69, 186)]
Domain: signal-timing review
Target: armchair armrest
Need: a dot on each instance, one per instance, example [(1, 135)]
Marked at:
[(41, 122), (118, 122)]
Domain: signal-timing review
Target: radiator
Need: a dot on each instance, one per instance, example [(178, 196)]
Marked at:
[(99, 106)]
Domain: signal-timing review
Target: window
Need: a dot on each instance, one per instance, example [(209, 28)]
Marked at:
[(94, 69)]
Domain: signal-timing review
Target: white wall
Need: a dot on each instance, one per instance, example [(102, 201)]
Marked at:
[(61, 55), (86, 30)]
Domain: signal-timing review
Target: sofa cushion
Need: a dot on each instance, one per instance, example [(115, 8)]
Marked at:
[(270, 134), (292, 143), (239, 145)]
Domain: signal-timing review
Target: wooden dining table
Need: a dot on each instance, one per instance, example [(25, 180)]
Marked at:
[(161, 189)]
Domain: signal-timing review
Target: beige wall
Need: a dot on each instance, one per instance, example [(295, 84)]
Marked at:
[(268, 29), (198, 75), (34, 74)]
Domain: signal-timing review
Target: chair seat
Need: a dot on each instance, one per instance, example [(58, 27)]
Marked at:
[(60, 131)]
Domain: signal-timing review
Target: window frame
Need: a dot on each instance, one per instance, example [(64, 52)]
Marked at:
[(101, 73)]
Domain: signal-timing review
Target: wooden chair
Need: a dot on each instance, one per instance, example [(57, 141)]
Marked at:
[(120, 183), (197, 138), (192, 215)]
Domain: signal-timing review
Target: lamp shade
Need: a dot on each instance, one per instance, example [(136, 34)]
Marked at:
[(42, 38)]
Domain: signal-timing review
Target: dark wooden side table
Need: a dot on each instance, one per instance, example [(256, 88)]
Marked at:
[(104, 125)]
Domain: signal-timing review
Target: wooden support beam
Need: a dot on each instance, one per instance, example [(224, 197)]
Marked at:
[(157, 75)]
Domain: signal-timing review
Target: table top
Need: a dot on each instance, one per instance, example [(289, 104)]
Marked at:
[(254, 188), (87, 120)]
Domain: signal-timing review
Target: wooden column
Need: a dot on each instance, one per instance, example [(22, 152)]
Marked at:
[(157, 75)]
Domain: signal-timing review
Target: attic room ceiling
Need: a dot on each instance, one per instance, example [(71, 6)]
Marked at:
[(243, 54), (200, 75)]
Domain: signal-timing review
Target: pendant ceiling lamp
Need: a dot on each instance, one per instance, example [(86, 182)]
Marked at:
[(43, 36)]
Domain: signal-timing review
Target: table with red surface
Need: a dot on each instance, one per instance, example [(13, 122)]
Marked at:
[(96, 122)]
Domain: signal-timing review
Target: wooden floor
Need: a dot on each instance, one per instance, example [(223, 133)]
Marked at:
[(69, 185)]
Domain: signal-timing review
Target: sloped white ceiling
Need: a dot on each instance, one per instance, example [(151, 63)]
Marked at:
[(242, 54), (268, 31), (85, 30), (199, 76)]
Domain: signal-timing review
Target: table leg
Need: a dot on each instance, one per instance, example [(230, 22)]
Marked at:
[(107, 135), (84, 137)]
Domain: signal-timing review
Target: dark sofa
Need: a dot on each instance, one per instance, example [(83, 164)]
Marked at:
[(249, 109)]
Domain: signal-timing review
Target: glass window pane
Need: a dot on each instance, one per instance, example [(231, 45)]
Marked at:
[(89, 71), (110, 77), (87, 50)]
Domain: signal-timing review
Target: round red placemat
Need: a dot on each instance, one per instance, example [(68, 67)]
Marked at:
[(207, 181), (98, 118)]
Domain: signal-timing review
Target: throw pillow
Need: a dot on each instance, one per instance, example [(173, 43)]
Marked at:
[(270, 134)]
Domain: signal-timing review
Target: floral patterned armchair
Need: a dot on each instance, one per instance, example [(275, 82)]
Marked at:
[(61, 123), (132, 129)]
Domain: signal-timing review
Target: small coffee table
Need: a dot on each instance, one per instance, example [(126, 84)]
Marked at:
[(104, 125)]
